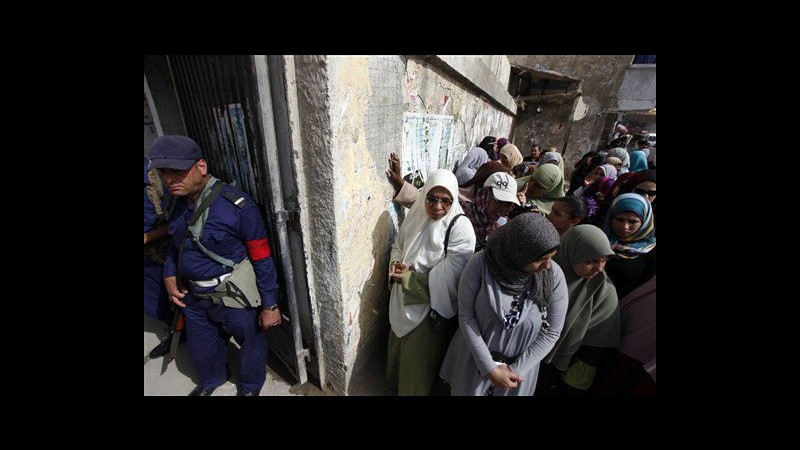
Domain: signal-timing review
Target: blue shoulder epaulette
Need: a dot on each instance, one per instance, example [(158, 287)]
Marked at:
[(235, 198)]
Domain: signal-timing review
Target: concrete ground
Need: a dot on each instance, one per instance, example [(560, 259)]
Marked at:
[(180, 377)]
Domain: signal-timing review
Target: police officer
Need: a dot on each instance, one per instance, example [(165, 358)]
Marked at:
[(219, 270)]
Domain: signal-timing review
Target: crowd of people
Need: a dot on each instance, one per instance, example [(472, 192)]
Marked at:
[(539, 289), (539, 299)]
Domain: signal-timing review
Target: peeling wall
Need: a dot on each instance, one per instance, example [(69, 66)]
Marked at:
[(349, 118), (602, 76), (431, 91)]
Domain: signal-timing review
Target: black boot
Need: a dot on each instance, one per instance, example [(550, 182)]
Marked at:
[(201, 391), (162, 348)]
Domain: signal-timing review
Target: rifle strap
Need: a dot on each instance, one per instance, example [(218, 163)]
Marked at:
[(201, 208)]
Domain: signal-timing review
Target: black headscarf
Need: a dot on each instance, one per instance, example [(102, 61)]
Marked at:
[(486, 144), (513, 246)]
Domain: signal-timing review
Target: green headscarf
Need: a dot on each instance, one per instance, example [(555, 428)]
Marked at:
[(552, 180), (593, 312)]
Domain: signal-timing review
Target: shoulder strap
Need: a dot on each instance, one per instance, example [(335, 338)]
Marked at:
[(447, 235), (197, 213), (206, 203), (235, 198)]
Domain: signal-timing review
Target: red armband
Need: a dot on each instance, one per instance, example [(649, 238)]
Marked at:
[(258, 249)]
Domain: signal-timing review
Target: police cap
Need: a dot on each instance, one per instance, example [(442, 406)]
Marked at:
[(174, 152)]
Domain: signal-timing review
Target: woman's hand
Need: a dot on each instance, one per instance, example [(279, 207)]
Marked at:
[(521, 194), (393, 173), (505, 378), (396, 271)]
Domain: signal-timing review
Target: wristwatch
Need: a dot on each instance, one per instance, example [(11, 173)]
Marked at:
[(272, 308)]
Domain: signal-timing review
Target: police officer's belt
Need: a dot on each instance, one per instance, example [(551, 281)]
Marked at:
[(210, 283)]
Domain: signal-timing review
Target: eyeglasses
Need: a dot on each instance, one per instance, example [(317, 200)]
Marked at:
[(445, 201), (643, 192)]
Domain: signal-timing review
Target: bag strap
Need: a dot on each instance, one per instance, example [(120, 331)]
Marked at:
[(447, 235)]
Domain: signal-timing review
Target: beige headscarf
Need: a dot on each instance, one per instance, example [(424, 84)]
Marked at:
[(512, 153)]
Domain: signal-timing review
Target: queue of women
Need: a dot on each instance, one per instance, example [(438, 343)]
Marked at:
[(525, 294)]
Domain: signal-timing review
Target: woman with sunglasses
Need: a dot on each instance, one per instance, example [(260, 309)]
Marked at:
[(630, 228), (495, 198), (512, 299), (642, 183), (424, 277)]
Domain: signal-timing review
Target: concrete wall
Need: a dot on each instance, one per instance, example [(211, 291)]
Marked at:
[(602, 76), (638, 90), (346, 115), (367, 114)]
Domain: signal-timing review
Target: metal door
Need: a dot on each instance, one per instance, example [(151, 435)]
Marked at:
[(219, 101)]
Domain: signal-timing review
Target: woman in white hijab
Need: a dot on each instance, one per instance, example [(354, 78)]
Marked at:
[(425, 274)]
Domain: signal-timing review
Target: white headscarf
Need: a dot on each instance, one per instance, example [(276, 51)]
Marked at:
[(420, 243)]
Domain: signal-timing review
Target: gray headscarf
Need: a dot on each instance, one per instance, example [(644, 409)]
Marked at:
[(623, 155), (513, 246)]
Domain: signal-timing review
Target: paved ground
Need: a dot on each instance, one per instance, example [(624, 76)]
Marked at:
[(179, 377)]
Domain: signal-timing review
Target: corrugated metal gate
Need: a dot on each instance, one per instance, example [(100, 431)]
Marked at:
[(219, 102)]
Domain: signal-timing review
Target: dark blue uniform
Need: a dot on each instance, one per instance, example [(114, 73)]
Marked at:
[(234, 232), (156, 302)]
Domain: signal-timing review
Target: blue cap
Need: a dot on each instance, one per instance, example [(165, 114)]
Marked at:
[(174, 152)]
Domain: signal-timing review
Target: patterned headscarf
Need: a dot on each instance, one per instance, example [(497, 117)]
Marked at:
[(513, 246), (476, 212), (644, 239), (146, 166)]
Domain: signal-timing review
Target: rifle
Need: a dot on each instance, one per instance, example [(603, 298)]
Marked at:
[(175, 334)]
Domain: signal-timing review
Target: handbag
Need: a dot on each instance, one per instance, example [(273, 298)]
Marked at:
[(439, 322)]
